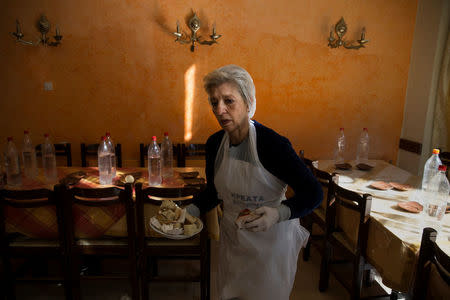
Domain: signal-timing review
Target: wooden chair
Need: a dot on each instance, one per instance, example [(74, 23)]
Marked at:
[(91, 150), (143, 150), (61, 149), (152, 248), (191, 152), (319, 215), (433, 268), (445, 158), (34, 250), (346, 234), (101, 247)]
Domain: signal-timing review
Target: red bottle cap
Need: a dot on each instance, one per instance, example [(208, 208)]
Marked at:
[(103, 138), (108, 134), (9, 138), (342, 128), (166, 133), (365, 129), (436, 151), (154, 138), (45, 134), (25, 132), (442, 168)]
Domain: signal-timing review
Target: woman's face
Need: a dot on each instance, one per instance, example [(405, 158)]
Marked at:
[(229, 107)]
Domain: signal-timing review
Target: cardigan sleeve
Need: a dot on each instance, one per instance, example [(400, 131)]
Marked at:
[(279, 158), (208, 199)]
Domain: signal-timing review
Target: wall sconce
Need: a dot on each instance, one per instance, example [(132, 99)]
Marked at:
[(194, 25), (341, 29), (44, 27)]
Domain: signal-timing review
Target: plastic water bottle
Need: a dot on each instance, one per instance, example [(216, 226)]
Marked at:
[(437, 196), (104, 162), (29, 156), (431, 168), (12, 165), (362, 153), (49, 160), (339, 157), (112, 150), (167, 156), (154, 164)]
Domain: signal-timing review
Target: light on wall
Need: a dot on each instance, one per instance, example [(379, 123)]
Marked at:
[(194, 24), (340, 30), (44, 27)]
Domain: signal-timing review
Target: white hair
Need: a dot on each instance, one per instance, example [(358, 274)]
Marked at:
[(237, 76)]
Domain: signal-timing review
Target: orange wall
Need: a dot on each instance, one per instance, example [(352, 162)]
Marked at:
[(119, 69)]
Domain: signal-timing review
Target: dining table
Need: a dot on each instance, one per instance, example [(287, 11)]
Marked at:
[(92, 222), (394, 234)]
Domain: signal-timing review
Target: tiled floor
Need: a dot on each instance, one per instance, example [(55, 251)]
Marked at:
[(305, 286)]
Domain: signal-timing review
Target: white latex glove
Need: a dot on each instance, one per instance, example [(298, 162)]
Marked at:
[(269, 217)]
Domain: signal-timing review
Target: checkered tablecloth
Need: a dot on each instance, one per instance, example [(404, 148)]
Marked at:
[(90, 222)]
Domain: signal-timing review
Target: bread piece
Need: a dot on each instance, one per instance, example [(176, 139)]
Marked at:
[(245, 216), (190, 229), (190, 219), (169, 204)]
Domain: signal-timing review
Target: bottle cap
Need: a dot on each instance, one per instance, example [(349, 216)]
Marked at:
[(342, 128), (166, 133), (9, 138), (365, 128), (436, 151), (107, 134), (103, 138), (45, 134), (442, 168), (153, 138), (25, 132)]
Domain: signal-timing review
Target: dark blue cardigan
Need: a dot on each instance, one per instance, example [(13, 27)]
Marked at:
[(279, 158)]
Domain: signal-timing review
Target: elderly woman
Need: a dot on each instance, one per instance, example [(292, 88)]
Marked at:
[(248, 166)]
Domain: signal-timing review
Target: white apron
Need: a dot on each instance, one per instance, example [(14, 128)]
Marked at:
[(254, 265)]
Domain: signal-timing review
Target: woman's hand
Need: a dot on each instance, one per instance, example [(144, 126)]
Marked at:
[(269, 216)]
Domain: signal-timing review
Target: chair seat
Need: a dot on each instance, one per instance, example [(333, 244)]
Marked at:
[(103, 242), (194, 241), (29, 242)]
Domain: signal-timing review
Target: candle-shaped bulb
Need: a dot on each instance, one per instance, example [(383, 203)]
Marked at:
[(214, 28), (57, 31), (18, 30), (178, 26), (363, 33)]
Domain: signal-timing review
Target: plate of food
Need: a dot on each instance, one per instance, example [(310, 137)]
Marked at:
[(189, 174), (381, 185), (364, 167), (343, 166), (175, 223), (411, 206), (401, 186)]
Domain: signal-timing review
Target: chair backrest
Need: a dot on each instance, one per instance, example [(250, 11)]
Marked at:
[(350, 215), (194, 152), (326, 181), (433, 269), (24, 199), (98, 198), (445, 158), (308, 162), (143, 154), (91, 150), (154, 196), (61, 149)]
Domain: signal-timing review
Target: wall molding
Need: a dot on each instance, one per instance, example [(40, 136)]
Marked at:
[(410, 146)]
